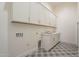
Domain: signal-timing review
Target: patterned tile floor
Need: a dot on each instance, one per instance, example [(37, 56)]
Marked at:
[(60, 50)]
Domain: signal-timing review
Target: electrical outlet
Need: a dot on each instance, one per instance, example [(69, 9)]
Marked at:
[(19, 34)]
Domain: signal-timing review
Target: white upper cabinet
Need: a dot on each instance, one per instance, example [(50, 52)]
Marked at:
[(34, 13), (21, 11)]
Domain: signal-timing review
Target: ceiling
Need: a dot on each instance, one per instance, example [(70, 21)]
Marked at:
[(58, 6)]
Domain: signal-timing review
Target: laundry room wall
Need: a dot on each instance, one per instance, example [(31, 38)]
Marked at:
[(3, 31), (66, 23)]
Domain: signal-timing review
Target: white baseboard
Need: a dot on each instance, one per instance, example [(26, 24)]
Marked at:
[(27, 52)]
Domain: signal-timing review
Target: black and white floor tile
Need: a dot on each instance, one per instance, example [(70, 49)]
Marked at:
[(60, 50)]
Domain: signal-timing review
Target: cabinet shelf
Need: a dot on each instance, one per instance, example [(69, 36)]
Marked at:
[(21, 22)]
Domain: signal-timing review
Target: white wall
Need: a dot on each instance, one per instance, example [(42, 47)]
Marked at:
[(3, 31), (66, 24)]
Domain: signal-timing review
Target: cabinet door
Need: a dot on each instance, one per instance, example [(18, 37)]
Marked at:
[(21, 11), (52, 19), (34, 13), (46, 17), (42, 15)]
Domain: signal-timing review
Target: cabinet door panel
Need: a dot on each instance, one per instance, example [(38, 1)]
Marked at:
[(34, 13), (46, 17), (21, 11), (52, 19), (42, 15)]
